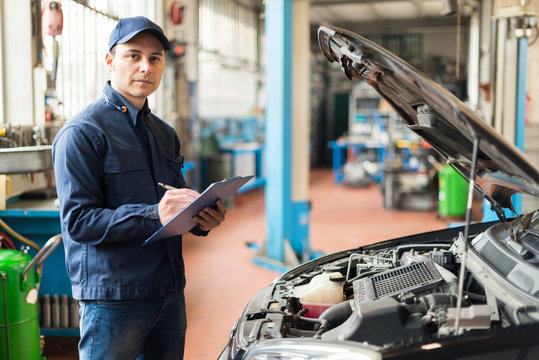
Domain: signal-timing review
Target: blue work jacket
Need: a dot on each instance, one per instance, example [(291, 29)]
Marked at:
[(106, 171)]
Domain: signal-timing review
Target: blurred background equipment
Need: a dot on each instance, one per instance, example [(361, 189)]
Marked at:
[(20, 276), (52, 23)]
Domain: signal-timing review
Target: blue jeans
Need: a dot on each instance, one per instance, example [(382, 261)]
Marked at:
[(133, 329)]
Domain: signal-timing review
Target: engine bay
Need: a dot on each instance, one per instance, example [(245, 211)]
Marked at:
[(407, 294)]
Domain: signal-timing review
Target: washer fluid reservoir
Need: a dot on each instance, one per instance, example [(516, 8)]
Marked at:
[(323, 291)]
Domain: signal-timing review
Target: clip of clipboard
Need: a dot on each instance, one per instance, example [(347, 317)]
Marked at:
[(183, 221)]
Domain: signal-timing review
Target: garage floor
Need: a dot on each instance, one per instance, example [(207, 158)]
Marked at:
[(221, 276)]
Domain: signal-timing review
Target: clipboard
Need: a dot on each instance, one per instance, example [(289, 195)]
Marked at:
[(183, 221)]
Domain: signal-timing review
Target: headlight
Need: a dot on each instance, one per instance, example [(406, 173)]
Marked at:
[(268, 356), (233, 332), (310, 349), (233, 345)]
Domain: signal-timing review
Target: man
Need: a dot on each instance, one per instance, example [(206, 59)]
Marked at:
[(108, 161)]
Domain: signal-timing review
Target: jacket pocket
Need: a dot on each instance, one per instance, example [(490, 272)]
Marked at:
[(127, 177), (119, 163), (175, 166)]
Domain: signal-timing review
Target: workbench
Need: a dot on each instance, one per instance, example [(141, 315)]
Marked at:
[(345, 150), (247, 159)]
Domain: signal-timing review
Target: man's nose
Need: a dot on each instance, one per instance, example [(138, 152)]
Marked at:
[(145, 66)]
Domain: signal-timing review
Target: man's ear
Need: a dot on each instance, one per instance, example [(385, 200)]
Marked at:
[(108, 61)]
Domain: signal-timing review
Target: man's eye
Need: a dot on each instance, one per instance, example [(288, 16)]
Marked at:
[(155, 59)]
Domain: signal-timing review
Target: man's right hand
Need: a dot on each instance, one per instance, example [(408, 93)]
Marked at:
[(175, 201)]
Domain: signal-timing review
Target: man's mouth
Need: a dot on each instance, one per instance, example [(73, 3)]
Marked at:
[(144, 81)]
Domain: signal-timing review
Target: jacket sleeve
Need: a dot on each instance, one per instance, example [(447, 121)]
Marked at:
[(80, 183)]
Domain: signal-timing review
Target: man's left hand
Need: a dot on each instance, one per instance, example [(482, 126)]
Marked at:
[(209, 218)]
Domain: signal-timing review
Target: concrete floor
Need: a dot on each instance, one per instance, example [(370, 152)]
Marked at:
[(221, 276)]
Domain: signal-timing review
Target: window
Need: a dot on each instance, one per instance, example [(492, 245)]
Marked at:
[(82, 47), (229, 68)]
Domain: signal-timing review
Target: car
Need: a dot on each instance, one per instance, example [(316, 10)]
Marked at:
[(466, 292)]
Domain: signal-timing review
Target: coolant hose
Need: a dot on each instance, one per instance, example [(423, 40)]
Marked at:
[(18, 236), (337, 314)]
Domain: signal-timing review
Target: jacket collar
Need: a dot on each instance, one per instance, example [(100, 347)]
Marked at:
[(117, 101)]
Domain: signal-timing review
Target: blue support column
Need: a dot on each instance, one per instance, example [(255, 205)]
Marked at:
[(521, 92), (287, 127), (520, 117), (278, 126)]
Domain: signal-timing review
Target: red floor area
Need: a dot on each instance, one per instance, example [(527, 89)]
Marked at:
[(221, 276)]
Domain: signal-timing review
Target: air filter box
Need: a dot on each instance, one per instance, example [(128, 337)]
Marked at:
[(380, 322)]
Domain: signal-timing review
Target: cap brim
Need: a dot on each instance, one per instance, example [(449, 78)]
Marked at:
[(162, 38)]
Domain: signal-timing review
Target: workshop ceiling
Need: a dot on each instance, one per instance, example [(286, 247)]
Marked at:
[(380, 14)]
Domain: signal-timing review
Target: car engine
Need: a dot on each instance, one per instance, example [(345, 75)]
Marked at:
[(408, 294)]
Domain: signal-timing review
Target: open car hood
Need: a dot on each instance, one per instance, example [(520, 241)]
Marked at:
[(437, 116)]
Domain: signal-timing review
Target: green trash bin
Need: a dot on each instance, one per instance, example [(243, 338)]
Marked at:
[(19, 327), (452, 193)]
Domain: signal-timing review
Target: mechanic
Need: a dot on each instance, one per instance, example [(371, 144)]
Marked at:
[(108, 161)]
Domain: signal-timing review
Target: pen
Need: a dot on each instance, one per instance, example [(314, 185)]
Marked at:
[(168, 187)]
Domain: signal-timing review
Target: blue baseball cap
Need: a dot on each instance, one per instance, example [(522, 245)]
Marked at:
[(128, 28)]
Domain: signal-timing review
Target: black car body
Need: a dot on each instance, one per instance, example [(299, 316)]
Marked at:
[(460, 293)]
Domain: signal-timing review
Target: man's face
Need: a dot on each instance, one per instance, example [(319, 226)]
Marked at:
[(136, 67)]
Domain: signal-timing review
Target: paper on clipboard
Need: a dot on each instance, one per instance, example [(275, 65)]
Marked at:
[(183, 221)]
